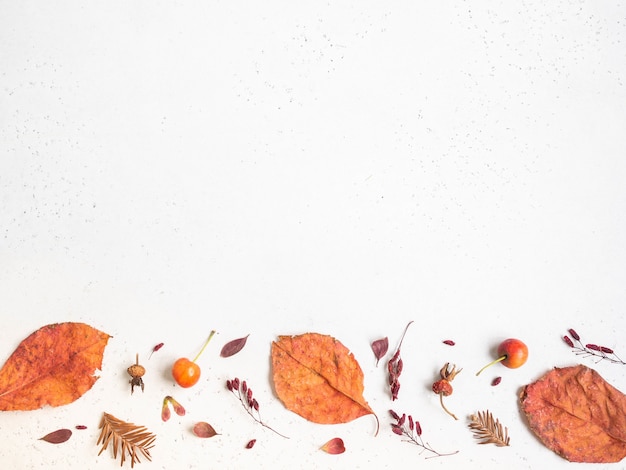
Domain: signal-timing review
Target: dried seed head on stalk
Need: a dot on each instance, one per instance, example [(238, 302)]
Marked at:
[(443, 387), (394, 367)]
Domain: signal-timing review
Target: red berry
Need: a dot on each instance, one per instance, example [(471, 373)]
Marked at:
[(513, 354)]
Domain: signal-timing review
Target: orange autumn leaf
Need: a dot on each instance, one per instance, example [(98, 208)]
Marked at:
[(318, 378), (53, 366), (577, 414)]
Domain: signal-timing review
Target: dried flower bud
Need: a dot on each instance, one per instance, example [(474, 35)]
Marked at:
[(396, 429), (394, 415), (418, 428), (255, 404), (606, 350), (235, 383), (568, 341), (244, 387), (402, 419), (593, 347), (411, 424), (229, 385), (574, 334)]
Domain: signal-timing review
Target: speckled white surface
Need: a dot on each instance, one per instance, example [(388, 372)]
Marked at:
[(167, 168)]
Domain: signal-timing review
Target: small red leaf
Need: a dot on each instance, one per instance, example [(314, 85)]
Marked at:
[(496, 381), (380, 347), (81, 426), (334, 446), (58, 436), (156, 348), (250, 443), (449, 342), (204, 430), (233, 347)]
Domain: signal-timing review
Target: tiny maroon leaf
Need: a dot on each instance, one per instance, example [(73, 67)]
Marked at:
[(58, 436), (334, 446), (233, 347), (81, 426), (250, 443), (380, 347), (156, 348), (449, 342), (496, 381), (204, 430)]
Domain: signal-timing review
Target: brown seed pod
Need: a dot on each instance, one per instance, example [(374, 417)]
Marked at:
[(136, 371)]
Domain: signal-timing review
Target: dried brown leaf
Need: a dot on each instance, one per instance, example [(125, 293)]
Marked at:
[(380, 348), (233, 347), (334, 446), (53, 366), (204, 430), (127, 439), (577, 414), (57, 437), (488, 429)]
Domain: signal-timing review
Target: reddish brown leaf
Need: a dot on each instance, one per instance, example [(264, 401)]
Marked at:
[(204, 430), (577, 414), (57, 437), (334, 446), (250, 443), (318, 378), (233, 347), (380, 348), (53, 366)]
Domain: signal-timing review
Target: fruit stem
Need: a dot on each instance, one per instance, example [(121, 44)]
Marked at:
[(444, 407), (501, 358), (205, 345)]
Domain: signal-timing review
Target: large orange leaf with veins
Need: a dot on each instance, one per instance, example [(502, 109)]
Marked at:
[(318, 378), (53, 366), (577, 414)]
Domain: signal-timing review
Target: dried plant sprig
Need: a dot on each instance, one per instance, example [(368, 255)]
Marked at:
[(127, 439), (394, 367), (244, 393), (488, 429), (411, 429), (590, 349)]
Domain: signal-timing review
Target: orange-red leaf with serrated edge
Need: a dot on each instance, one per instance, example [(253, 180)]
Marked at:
[(577, 414), (53, 366), (318, 378)]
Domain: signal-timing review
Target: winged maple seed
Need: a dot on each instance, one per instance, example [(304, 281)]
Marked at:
[(489, 430), (127, 439)]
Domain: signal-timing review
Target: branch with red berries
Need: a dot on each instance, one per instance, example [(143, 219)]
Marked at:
[(590, 349)]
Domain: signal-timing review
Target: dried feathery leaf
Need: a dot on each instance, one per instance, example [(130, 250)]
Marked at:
[(126, 438), (488, 430)]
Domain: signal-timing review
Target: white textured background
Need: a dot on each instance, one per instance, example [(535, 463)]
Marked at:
[(270, 168)]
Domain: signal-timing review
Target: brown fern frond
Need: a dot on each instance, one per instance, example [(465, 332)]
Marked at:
[(488, 430), (127, 439)]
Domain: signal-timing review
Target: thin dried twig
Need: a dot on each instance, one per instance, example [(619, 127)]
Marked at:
[(488, 430), (126, 439)]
